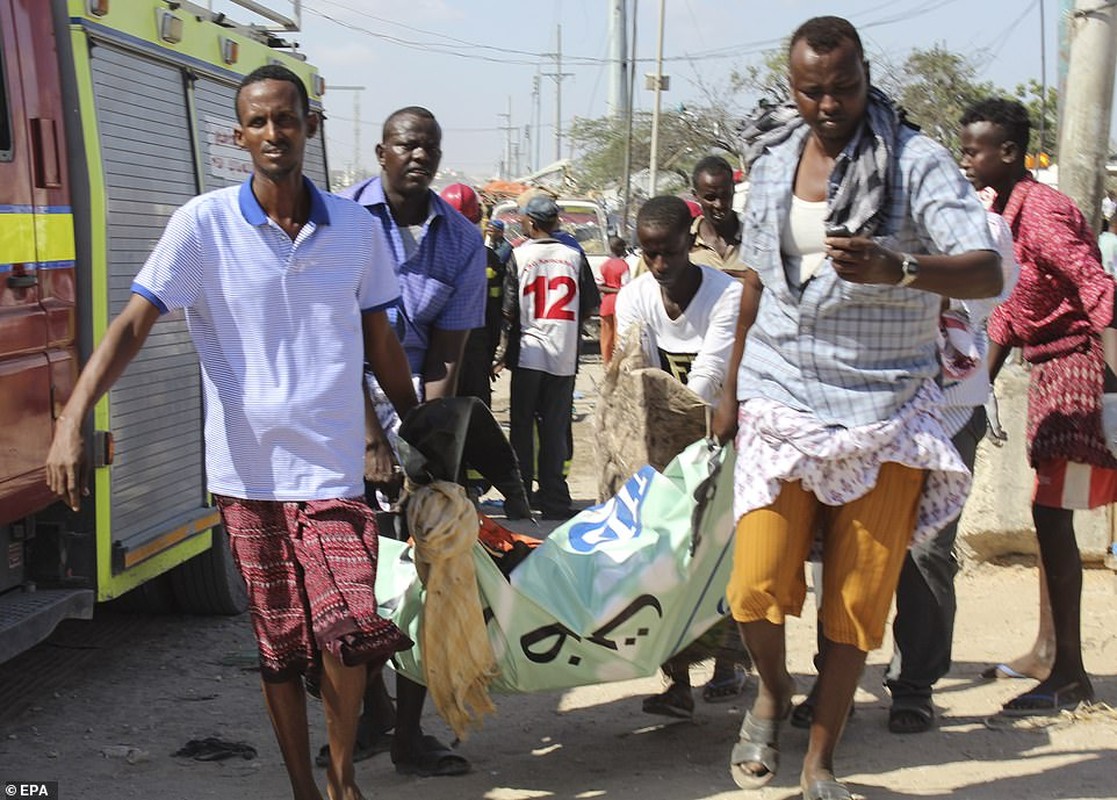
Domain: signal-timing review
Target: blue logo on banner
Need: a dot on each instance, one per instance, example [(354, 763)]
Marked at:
[(618, 519)]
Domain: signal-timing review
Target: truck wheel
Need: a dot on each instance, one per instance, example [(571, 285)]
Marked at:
[(210, 583), (155, 596)]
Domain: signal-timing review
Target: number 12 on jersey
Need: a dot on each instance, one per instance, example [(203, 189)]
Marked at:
[(553, 297)]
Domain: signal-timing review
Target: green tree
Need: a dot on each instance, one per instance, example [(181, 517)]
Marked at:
[(686, 134), (936, 86), (764, 82), (1031, 95)]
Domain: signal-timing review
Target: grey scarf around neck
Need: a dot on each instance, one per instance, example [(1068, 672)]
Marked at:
[(859, 184)]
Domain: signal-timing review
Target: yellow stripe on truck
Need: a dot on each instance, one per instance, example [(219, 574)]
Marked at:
[(17, 238), (54, 237), (36, 238)]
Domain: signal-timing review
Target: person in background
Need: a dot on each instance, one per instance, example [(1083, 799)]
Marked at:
[(686, 314), (923, 629), (717, 232), (495, 241), (614, 275), (439, 259), (474, 379), (856, 228), (548, 292), (255, 267), (499, 253), (1107, 244), (1060, 312)]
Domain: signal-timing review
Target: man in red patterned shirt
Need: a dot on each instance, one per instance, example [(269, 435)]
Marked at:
[(1061, 306)]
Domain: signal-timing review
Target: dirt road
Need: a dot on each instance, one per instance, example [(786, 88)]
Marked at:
[(101, 707)]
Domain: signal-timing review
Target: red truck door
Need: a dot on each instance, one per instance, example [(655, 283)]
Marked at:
[(37, 322)]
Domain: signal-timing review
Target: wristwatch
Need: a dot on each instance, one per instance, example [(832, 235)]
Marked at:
[(909, 269)]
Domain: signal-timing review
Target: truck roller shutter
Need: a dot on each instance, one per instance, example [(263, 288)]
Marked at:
[(158, 475), (224, 164)]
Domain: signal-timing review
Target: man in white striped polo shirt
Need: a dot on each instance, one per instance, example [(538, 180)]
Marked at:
[(284, 289)]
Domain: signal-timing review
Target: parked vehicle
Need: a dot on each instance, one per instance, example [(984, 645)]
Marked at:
[(112, 114), (582, 218)]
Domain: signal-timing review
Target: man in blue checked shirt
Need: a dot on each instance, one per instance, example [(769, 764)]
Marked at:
[(439, 259), (856, 228)]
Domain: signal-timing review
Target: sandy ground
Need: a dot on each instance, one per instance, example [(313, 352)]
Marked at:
[(102, 706)]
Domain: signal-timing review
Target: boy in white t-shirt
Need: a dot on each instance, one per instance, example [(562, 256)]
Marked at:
[(687, 314), (687, 311)]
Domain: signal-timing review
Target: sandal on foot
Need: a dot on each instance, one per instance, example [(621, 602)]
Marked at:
[(757, 743), (722, 690), (1046, 703), (826, 790), (364, 748), (911, 716), (803, 714), (674, 702), (435, 760)]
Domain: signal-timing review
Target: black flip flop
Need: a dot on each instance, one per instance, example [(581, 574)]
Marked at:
[(911, 716), (213, 749), (435, 761), (362, 750), (1048, 703)]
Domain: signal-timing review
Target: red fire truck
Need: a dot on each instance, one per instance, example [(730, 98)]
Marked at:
[(112, 114)]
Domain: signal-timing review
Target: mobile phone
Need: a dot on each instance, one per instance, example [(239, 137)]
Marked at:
[(837, 232)]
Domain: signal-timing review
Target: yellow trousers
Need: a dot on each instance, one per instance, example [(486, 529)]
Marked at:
[(864, 544)]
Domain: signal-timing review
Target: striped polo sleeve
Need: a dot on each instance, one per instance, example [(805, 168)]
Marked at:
[(378, 287), (172, 275)]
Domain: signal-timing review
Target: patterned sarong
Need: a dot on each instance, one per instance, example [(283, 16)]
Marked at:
[(310, 569)]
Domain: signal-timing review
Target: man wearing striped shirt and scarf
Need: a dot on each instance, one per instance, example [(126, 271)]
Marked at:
[(856, 227)]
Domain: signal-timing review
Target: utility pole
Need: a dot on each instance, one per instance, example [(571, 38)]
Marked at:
[(536, 120), (628, 126), (507, 127), (355, 167), (526, 150), (558, 76), (1088, 105), (617, 102), (660, 84)]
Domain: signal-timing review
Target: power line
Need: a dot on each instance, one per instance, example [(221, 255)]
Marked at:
[(1001, 38), (527, 58), (373, 124)]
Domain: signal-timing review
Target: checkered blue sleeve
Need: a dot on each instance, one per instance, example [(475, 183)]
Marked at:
[(944, 206), (465, 310), (172, 275)]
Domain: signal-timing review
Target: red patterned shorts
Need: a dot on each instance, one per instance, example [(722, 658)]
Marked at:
[(310, 568)]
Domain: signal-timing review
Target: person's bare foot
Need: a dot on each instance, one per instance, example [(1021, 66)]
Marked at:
[(350, 793), (1035, 664)]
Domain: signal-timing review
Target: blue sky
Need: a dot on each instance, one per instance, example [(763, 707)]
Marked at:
[(464, 59)]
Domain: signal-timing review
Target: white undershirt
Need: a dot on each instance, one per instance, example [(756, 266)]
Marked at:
[(804, 236), (412, 237)]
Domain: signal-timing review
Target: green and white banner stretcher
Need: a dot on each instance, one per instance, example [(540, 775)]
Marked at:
[(611, 594)]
